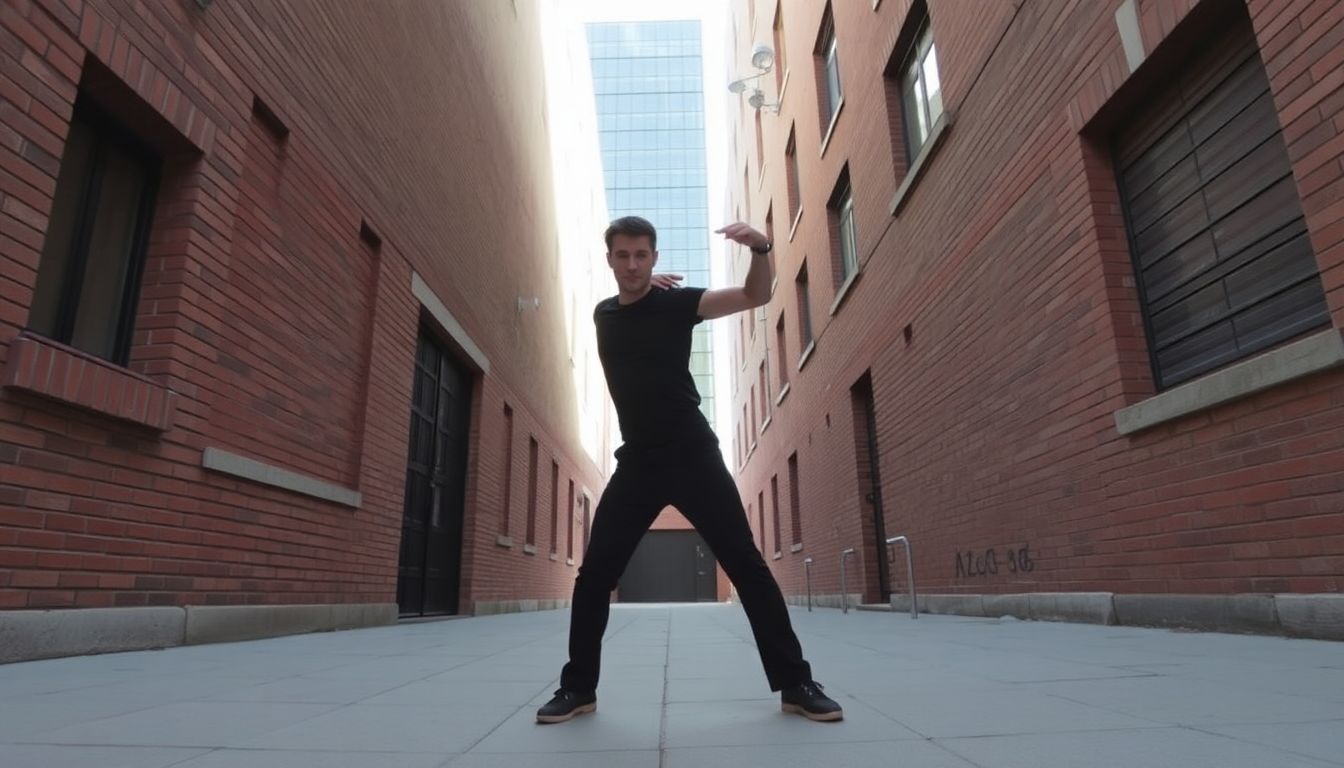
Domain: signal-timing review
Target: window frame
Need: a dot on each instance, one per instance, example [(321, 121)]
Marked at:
[(915, 61), (105, 131)]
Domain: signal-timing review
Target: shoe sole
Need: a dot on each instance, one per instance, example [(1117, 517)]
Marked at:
[(582, 709), (820, 717)]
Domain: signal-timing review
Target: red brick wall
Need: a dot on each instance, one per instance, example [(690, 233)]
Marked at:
[(287, 337), (1009, 265)]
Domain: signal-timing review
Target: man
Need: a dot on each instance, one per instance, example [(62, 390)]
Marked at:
[(671, 456)]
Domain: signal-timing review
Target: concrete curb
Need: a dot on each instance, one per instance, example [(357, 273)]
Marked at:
[(1319, 617), (231, 623), (825, 601), (1315, 616), (1219, 613), (30, 635), (496, 607)]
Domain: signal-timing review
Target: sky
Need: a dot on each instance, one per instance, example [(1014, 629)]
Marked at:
[(714, 18)]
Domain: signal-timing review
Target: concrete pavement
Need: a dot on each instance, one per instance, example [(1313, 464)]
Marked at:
[(682, 688)]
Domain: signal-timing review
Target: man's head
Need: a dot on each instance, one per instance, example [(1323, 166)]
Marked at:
[(632, 252)]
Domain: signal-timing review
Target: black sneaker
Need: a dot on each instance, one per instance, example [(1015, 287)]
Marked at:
[(808, 700), (566, 705)]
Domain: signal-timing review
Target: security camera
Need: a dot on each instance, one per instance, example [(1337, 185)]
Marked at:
[(762, 57)]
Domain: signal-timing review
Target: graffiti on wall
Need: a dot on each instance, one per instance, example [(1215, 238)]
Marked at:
[(990, 562)]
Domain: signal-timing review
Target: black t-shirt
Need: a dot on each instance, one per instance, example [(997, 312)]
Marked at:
[(645, 349)]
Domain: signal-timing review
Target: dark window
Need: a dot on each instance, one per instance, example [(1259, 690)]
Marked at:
[(828, 70), (760, 510), (804, 310), (781, 60), (532, 449), (845, 255), (88, 282), (765, 395), (795, 513), (921, 91), (774, 501), (508, 470), (1215, 225), (781, 352), (791, 160), (555, 507)]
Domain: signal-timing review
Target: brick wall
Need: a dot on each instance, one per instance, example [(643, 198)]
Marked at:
[(316, 156), (998, 316)]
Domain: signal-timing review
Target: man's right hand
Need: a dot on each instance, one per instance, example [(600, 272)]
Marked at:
[(666, 281)]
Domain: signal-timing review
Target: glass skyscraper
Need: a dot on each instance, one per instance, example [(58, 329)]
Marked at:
[(651, 126)]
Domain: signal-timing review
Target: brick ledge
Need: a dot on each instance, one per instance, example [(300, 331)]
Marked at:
[(62, 373)]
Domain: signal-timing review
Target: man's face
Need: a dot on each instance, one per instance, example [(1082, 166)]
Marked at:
[(631, 259)]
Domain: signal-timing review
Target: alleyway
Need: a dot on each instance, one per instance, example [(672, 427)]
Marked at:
[(683, 688)]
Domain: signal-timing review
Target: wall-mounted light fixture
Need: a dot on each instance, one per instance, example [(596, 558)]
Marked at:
[(763, 59)]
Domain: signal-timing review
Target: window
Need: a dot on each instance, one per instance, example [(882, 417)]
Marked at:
[(1216, 230), (774, 500), (754, 428), (760, 145), (532, 449), (792, 180), (804, 309), (781, 353), (781, 60), (795, 513), (828, 72), (845, 254), (921, 91), (555, 507), (88, 281), (765, 396), (760, 510), (508, 470), (569, 545)]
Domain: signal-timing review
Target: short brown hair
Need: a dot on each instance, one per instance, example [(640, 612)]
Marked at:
[(634, 226)]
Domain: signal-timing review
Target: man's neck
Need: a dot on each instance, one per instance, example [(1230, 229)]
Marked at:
[(630, 298)]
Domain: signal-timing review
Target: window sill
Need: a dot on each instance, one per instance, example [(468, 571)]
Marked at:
[(778, 555), (796, 547), (766, 423), (569, 561), (830, 130), (504, 541), (783, 393), (227, 463), (1313, 354), (555, 557), (58, 372), (783, 89), (807, 354), (844, 291), (793, 228), (925, 157), (529, 549)]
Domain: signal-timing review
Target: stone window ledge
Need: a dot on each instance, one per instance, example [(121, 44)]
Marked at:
[(1313, 354)]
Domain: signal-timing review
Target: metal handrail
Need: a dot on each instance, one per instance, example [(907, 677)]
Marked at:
[(910, 573), (844, 589), (807, 569)]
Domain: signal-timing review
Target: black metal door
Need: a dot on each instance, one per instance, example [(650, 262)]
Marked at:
[(871, 486), (429, 574), (706, 575), (667, 567)]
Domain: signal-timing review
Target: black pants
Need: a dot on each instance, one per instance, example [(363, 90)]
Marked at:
[(700, 486)]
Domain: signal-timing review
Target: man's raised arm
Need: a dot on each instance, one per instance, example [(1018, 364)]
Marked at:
[(756, 290)]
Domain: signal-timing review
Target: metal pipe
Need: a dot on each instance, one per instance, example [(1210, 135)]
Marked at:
[(807, 569), (844, 589), (910, 573)]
